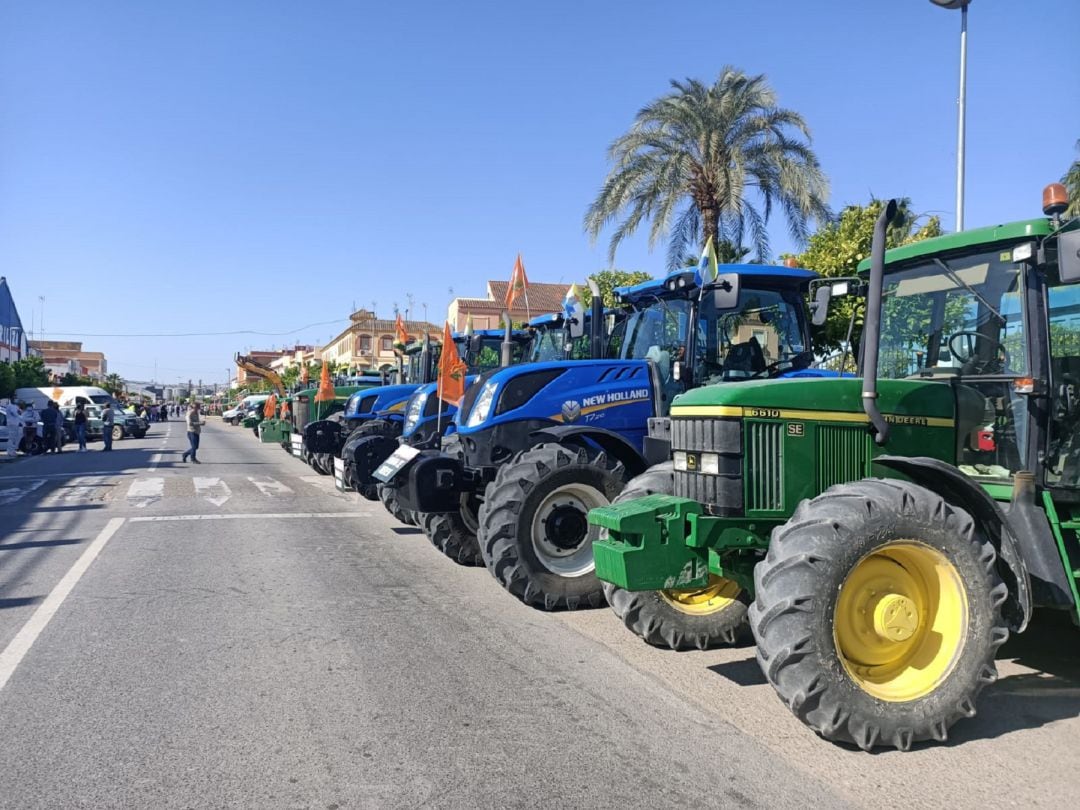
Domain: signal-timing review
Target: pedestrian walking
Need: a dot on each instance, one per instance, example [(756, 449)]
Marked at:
[(108, 417), (80, 426), (194, 427)]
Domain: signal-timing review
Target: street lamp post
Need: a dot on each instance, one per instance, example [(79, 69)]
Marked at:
[(961, 103)]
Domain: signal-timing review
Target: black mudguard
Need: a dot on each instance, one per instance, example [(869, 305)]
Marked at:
[(610, 442), (961, 491)]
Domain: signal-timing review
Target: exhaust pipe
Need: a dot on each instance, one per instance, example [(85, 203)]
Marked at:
[(872, 326), (425, 358), (596, 333), (507, 354)]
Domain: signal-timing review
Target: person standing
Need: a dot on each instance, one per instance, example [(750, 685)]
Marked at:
[(108, 417), (80, 426), (53, 422), (194, 427), (30, 427)]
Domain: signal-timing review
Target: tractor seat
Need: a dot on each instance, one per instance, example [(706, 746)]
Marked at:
[(744, 360)]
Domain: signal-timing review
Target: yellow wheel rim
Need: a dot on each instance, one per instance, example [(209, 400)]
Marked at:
[(901, 620), (719, 594)]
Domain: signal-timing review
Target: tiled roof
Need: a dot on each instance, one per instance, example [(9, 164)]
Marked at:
[(542, 297)]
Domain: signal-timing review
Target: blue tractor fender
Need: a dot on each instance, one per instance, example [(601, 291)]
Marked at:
[(609, 441)]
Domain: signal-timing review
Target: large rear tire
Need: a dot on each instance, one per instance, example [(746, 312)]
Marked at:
[(877, 614), (686, 619), (534, 532), (388, 496)]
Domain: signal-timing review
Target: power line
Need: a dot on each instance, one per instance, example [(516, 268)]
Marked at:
[(192, 334)]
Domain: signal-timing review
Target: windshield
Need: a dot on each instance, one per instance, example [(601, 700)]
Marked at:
[(490, 353), (100, 399), (548, 343), (955, 317), (765, 334)]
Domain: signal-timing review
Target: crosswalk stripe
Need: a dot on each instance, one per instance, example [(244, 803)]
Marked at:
[(12, 494), (145, 491), (213, 490), (269, 487)]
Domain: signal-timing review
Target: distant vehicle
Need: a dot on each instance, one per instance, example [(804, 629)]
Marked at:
[(65, 395), (234, 415), (95, 428)]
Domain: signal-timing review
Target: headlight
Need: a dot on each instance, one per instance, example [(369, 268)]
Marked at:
[(413, 411), (482, 407)]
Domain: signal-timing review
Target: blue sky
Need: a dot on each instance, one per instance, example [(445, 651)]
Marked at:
[(216, 166)]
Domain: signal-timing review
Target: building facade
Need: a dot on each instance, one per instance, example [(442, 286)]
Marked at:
[(67, 356), (13, 342), (486, 313), (368, 342)]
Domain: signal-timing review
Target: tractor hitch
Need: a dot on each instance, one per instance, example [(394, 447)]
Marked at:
[(650, 544)]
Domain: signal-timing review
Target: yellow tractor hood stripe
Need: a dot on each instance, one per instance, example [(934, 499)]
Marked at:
[(855, 417)]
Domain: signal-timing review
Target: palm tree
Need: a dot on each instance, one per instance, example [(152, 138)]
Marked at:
[(1071, 180), (713, 161), (114, 384)]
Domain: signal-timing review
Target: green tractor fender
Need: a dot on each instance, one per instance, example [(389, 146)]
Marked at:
[(961, 491), (610, 442)]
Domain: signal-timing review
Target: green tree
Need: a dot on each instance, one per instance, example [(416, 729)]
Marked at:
[(114, 384), (838, 247), (7, 380), (30, 372), (711, 160), (1071, 181), (608, 280)]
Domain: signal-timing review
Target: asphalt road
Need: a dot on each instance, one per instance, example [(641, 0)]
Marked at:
[(238, 634)]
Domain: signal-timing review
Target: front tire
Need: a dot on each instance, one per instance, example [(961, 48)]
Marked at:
[(684, 619), (534, 532), (878, 614), (117, 433), (388, 496), (454, 533)]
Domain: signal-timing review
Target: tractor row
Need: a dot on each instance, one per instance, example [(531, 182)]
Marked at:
[(681, 457)]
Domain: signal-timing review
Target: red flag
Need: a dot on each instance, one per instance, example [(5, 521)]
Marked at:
[(270, 407), (451, 387), (326, 391), (519, 284)]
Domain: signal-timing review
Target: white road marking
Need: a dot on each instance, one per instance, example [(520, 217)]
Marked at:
[(145, 491), (15, 651), (213, 490), (79, 493), (12, 494), (258, 515), (269, 487)]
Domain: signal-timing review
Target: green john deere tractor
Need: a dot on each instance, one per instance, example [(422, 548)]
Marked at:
[(882, 536)]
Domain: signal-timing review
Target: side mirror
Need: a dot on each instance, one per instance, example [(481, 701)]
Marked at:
[(1069, 257), (476, 343), (576, 321), (725, 291), (819, 307)]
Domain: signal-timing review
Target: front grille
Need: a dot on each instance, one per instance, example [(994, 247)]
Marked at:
[(723, 494), (843, 454), (765, 466)]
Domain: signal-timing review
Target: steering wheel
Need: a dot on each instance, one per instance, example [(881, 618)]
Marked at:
[(971, 338)]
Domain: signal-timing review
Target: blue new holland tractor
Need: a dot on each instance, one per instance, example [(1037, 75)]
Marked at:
[(539, 445)]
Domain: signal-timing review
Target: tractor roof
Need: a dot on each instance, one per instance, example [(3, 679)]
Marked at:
[(1010, 231), (757, 272)]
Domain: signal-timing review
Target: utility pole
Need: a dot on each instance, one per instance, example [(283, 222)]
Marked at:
[(961, 121)]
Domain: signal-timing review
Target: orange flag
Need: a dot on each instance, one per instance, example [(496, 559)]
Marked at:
[(451, 385), (284, 413), (270, 407), (402, 332), (519, 285), (304, 375), (326, 386)]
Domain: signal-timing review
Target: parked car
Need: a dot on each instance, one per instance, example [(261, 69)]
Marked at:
[(95, 428), (128, 424)]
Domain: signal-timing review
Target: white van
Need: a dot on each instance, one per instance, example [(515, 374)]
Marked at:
[(64, 395)]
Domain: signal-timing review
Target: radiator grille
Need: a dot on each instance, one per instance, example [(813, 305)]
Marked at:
[(765, 466), (843, 454)]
